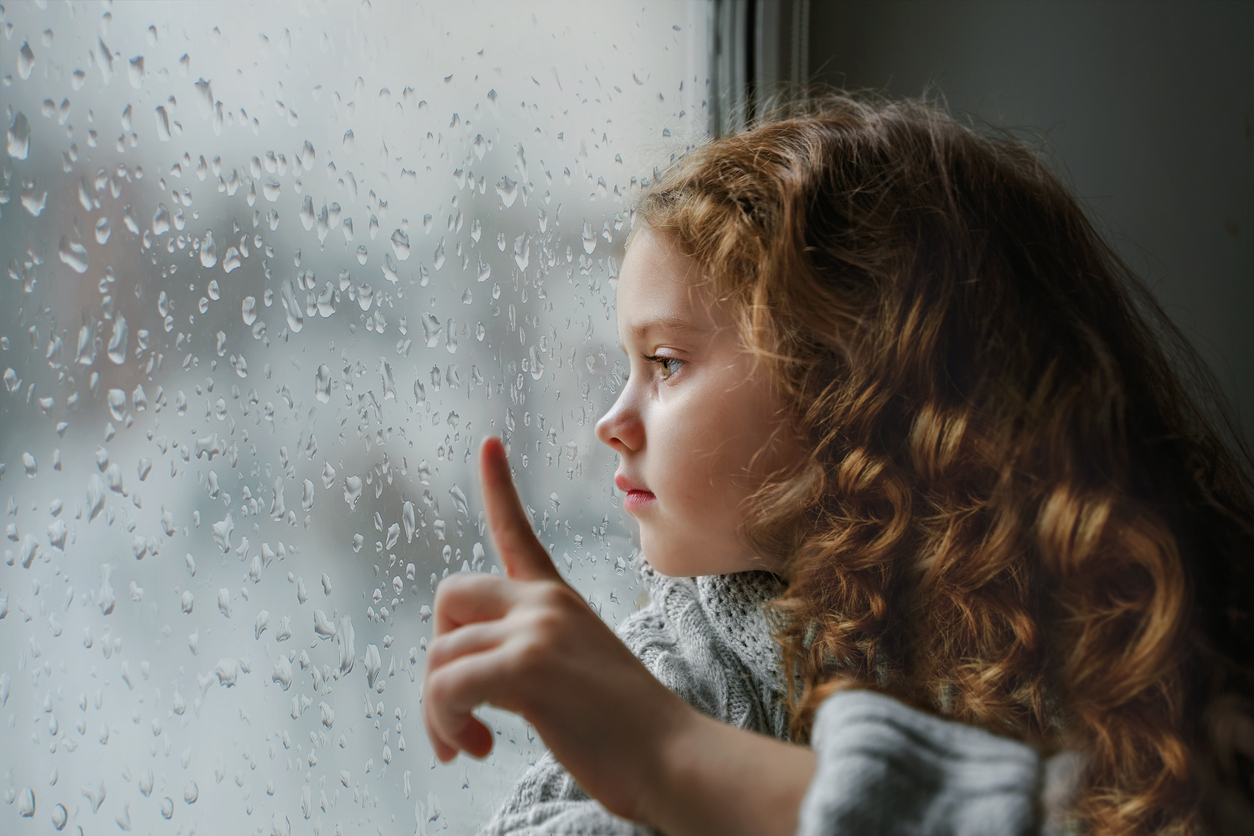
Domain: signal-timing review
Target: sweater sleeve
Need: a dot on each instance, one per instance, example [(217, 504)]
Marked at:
[(886, 768), (682, 638)]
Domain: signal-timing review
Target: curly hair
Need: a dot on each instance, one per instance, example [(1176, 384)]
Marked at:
[(1019, 511)]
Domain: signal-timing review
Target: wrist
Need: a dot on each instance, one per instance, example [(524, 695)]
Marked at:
[(712, 778)]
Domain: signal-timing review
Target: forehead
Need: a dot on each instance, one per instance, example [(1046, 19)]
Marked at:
[(659, 286)]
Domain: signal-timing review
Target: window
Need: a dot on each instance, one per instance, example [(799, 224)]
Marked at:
[(272, 272)]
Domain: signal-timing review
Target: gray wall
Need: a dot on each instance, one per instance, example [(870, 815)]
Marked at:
[(1148, 107)]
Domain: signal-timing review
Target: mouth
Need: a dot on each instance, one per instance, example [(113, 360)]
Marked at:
[(637, 498)]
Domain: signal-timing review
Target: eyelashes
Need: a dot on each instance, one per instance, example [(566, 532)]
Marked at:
[(667, 366)]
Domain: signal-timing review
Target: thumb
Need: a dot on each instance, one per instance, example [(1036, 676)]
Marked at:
[(523, 556)]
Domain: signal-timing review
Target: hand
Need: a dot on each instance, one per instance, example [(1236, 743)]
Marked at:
[(528, 643)]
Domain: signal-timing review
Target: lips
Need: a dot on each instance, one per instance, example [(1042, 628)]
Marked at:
[(637, 497)]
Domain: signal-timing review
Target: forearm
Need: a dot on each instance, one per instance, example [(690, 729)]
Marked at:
[(718, 779)]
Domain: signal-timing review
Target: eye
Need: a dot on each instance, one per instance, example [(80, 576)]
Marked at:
[(667, 366)]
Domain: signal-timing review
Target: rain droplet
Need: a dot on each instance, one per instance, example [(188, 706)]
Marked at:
[(322, 385), (102, 231), (190, 793), (407, 517), (431, 329), (117, 341), (328, 476), (307, 213), (249, 310), (167, 807), (26, 799), (293, 308), (589, 238), (163, 123), (352, 490), (19, 137), (323, 627), (74, 254), (400, 245), (271, 189), (59, 817), (522, 252), (25, 63), (135, 71), (437, 260), (389, 383), (161, 220), (208, 251), (117, 404), (507, 189), (348, 140), (373, 665)]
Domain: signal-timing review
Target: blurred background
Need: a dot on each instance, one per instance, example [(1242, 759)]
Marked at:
[(274, 269)]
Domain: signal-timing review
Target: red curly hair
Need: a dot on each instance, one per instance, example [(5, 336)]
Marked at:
[(1016, 513)]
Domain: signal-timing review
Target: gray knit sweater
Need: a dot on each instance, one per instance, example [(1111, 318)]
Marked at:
[(882, 767)]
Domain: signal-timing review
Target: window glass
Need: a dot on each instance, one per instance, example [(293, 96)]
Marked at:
[(272, 271)]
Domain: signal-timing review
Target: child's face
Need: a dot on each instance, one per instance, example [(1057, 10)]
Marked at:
[(696, 427)]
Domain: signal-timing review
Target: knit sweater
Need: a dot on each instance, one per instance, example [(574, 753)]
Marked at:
[(882, 767)]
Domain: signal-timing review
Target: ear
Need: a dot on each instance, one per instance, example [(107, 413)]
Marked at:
[(524, 558)]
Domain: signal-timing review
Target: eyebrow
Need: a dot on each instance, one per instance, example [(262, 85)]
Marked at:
[(641, 330)]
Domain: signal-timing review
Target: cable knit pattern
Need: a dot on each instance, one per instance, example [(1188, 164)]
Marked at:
[(708, 641)]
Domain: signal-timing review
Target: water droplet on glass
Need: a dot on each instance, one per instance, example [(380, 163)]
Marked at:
[(322, 385), (208, 251), (589, 238), (407, 517), (431, 330), (19, 137), (102, 231), (249, 310), (323, 627), (33, 200), (135, 71), (437, 260), (117, 341), (507, 189), (270, 190), (117, 404), (59, 817), (25, 63), (522, 252), (163, 123), (26, 798), (307, 213), (231, 261), (389, 383), (167, 807), (295, 310), (191, 792), (400, 245), (352, 491), (161, 220), (74, 254)]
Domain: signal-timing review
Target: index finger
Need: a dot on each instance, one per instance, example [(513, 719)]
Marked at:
[(521, 552)]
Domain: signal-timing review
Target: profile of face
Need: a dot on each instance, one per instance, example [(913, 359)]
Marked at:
[(697, 427)]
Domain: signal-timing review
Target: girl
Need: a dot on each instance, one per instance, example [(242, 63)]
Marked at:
[(955, 517)]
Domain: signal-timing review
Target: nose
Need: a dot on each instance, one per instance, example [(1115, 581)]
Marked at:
[(621, 427)]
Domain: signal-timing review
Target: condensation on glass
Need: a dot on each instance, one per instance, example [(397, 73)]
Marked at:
[(271, 272)]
